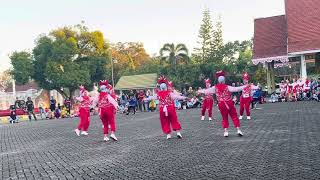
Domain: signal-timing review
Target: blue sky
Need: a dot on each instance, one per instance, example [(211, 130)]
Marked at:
[(152, 22)]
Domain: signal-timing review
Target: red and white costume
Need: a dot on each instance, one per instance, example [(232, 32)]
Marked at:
[(295, 87), (300, 88), (307, 85), (246, 98), (84, 112), (167, 110), (283, 88), (225, 103), (107, 109), (289, 90), (207, 102)]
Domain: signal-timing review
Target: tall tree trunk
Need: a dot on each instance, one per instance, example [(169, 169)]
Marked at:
[(273, 85), (270, 77)]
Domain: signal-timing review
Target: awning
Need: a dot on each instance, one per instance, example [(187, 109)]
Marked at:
[(142, 81)]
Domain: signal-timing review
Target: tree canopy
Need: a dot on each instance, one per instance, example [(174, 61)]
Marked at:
[(64, 59)]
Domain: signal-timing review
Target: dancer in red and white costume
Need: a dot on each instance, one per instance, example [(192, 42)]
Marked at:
[(168, 115), (84, 112), (307, 85), (246, 98), (107, 109), (289, 90), (207, 102), (225, 103), (300, 88), (283, 88), (295, 87)]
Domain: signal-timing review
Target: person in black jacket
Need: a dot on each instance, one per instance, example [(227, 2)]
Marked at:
[(30, 109)]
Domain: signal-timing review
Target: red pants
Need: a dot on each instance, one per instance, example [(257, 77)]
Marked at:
[(170, 119), (107, 117), (207, 104), (84, 114), (227, 108), (245, 104)]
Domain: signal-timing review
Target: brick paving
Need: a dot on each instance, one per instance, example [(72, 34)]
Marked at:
[(282, 141)]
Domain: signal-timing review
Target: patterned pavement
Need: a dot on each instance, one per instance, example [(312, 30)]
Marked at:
[(282, 141)]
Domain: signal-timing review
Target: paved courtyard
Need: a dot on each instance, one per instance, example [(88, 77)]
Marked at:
[(282, 141)]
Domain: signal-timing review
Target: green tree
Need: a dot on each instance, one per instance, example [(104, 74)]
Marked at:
[(64, 59), (22, 66), (174, 54), (205, 36), (217, 43), (260, 75)]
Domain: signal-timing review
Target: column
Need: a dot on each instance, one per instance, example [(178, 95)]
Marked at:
[(303, 67), (270, 77)]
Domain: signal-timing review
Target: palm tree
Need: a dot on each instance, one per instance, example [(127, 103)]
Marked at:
[(174, 54)]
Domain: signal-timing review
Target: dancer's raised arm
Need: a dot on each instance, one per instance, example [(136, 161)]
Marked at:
[(211, 90), (113, 101)]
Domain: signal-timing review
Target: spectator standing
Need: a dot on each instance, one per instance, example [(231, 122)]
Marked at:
[(67, 105), (132, 105), (17, 103), (42, 110), (30, 109), (52, 104), (141, 103), (256, 98), (123, 101)]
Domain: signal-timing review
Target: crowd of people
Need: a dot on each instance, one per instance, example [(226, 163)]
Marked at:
[(55, 110), (297, 90)]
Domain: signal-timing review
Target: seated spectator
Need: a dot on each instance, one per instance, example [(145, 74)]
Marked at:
[(64, 112), (152, 105), (273, 98), (195, 102), (13, 116), (177, 104), (235, 100), (189, 104), (50, 114), (57, 113)]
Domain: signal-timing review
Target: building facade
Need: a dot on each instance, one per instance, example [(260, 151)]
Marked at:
[(291, 40)]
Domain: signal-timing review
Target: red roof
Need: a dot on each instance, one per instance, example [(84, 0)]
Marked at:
[(270, 37), (30, 85), (303, 25)]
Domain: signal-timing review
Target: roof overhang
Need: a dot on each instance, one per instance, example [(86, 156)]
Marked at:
[(294, 54)]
